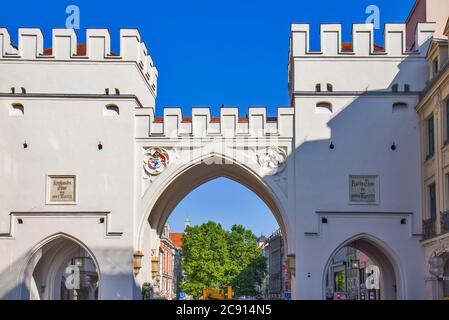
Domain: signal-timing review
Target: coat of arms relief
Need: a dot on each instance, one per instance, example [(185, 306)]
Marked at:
[(273, 163), (155, 161)]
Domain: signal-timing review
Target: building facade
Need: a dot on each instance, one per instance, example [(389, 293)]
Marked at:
[(166, 285), (433, 110), (88, 169), (276, 283), (176, 238), (352, 275)]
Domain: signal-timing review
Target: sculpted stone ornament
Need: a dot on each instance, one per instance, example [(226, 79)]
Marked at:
[(442, 247), (155, 161), (272, 160)]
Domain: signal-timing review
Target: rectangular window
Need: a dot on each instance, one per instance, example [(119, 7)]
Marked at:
[(430, 137), (362, 275), (446, 192), (447, 121), (435, 66), (339, 281), (433, 202)]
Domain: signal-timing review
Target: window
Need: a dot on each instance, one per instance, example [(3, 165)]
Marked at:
[(446, 181), (447, 122), (339, 281), (399, 106), (406, 88), (161, 261), (435, 66), (111, 110), (318, 87), (395, 88), (430, 137), (330, 88), (432, 202), (16, 110), (362, 275), (323, 107)]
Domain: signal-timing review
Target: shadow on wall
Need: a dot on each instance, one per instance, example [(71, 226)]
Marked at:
[(375, 134), (378, 127)]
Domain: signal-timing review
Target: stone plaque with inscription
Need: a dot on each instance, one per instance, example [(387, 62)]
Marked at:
[(363, 189), (61, 189)]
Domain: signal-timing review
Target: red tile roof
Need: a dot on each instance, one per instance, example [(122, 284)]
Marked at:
[(348, 47), (213, 119), (176, 238), (81, 50)]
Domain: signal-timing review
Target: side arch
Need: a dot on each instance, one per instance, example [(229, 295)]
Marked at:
[(61, 246), (190, 176), (392, 279)]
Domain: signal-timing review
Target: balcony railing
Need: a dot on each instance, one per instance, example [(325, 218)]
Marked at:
[(429, 230), (444, 220)]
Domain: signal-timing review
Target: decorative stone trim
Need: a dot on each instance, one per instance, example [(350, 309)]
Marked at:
[(155, 161), (272, 160), (137, 262)]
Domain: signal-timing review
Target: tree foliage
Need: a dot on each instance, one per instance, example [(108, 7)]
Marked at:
[(215, 257)]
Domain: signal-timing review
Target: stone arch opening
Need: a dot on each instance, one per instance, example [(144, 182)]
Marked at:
[(362, 268), (202, 172), (185, 179), (60, 268)]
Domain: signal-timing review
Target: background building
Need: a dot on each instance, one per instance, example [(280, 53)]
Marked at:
[(167, 280), (276, 283), (433, 111), (435, 11), (352, 275), (176, 238)]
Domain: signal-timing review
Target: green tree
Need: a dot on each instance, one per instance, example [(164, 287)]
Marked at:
[(215, 257), (205, 258), (248, 266)]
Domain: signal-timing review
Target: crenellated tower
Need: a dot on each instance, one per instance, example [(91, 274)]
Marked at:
[(355, 119), (357, 66), (71, 68)]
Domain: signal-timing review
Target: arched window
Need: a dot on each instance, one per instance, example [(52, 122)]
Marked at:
[(399, 106), (323, 107), (17, 110), (330, 87), (318, 87), (112, 110)]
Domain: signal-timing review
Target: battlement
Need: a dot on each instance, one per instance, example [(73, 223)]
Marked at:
[(66, 48), (362, 41), (201, 124)]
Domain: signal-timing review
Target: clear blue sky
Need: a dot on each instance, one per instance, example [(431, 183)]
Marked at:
[(227, 202), (208, 53)]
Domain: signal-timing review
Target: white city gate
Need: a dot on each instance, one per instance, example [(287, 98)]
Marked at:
[(90, 173), (180, 155)]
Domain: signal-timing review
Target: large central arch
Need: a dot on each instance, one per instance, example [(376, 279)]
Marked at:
[(195, 173)]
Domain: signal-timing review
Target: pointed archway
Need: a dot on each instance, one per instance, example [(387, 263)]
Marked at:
[(60, 268), (196, 173), (175, 183), (382, 258)]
